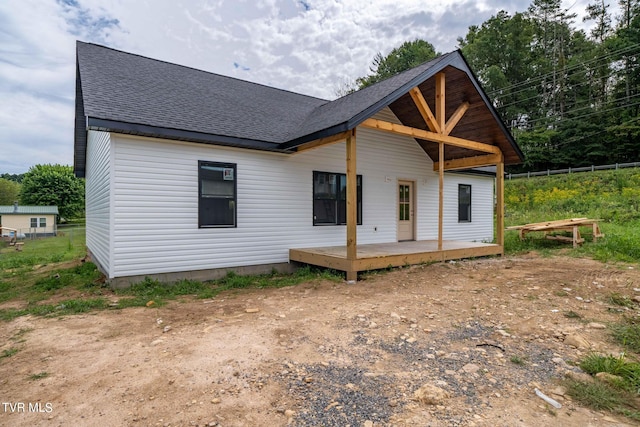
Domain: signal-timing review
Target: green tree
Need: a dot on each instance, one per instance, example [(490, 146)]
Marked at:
[(539, 147), (623, 107), (499, 53), (9, 191), (550, 52), (600, 70), (627, 36), (54, 185), (408, 55), (12, 177)]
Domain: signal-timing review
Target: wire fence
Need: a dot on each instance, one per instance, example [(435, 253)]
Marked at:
[(33, 233), (592, 168)]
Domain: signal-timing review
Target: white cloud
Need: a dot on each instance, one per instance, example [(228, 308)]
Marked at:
[(307, 46)]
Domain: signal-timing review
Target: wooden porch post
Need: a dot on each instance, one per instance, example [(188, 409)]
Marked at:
[(352, 204), (440, 193), (500, 204), (441, 119)]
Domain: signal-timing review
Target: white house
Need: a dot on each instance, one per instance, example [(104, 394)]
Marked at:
[(190, 174)]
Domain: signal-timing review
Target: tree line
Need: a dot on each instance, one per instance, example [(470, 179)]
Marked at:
[(570, 98), (45, 185)]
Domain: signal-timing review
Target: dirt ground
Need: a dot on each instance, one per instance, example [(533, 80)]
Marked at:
[(451, 344)]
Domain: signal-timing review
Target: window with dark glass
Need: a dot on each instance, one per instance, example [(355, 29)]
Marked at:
[(464, 203), (330, 198), (217, 194)]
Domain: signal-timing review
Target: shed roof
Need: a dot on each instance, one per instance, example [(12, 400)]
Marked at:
[(28, 210), (127, 93)]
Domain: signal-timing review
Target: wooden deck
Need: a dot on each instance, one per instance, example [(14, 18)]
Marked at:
[(382, 255)]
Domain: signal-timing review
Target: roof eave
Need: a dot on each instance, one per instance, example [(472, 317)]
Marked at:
[(106, 125)]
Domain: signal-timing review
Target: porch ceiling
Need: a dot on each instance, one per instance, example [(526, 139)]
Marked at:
[(477, 124)]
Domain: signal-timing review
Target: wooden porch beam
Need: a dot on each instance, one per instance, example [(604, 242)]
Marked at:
[(424, 109), (429, 136), (455, 118), (469, 162), (339, 137), (352, 203)]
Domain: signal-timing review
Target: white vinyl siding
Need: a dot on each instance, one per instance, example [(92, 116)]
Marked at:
[(98, 199), (155, 202), (480, 228)]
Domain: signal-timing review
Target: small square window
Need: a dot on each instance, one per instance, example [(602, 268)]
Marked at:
[(34, 223), (43, 222)]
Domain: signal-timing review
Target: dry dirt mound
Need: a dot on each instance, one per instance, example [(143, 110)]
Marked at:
[(461, 343)]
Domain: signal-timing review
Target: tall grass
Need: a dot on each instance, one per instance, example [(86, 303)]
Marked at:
[(610, 196)]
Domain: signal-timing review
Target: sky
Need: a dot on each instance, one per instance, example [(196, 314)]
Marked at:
[(312, 47)]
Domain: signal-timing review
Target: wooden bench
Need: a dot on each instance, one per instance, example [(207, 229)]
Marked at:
[(19, 246)]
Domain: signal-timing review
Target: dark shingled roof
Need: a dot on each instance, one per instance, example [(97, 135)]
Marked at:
[(126, 93)]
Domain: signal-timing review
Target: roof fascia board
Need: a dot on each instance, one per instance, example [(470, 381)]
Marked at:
[(79, 128), (290, 146), (94, 123)]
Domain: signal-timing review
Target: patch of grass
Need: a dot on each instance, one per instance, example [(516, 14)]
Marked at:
[(629, 372), (621, 300), (38, 376), (572, 315), (616, 392), (7, 291), (518, 360), (62, 308), (30, 275), (83, 275), (44, 251), (627, 333), (596, 395), (18, 337), (139, 294), (8, 352), (600, 396)]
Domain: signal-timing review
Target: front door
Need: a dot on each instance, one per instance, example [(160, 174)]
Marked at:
[(405, 211)]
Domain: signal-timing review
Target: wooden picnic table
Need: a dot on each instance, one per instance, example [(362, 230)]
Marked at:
[(572, 225)]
